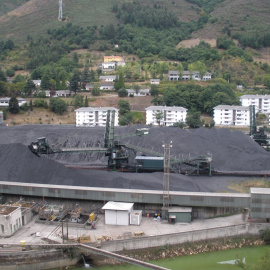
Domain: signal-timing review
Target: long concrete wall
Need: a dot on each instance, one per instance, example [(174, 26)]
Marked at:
[(180, 238)]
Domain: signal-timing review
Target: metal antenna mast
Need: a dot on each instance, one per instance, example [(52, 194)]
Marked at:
[(166, 180), (60, 16)]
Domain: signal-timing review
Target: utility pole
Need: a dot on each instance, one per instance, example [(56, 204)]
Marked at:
[(60, 16), (166, 180)]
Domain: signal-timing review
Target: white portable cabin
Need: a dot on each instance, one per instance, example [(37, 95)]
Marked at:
[(117, 213), (136, 217)]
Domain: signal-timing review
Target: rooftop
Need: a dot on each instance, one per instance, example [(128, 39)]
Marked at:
[(165, 108), (117, 206), (231, 107), (88, 109), (6, 210)]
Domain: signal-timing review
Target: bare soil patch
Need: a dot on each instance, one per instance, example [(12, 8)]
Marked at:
[(194, 42)]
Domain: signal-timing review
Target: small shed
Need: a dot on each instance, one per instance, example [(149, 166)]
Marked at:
[(136, 217), (180, 214), (117, 213)]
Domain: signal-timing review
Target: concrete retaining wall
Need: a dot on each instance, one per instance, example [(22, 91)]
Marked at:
[(179, 238), (36, 259)]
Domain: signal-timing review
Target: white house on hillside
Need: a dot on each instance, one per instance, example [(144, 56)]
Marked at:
[(261, 102), (174, 76), (110, 78), (141, 93), (91, 116), (4, 102), (170, 115), (227, 115)]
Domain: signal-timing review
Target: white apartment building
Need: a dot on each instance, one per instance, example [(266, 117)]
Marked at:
[(226, 115), (261, 102), (170, 115), (91, 117)]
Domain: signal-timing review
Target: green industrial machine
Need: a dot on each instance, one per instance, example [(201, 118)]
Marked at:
[(258, 136)]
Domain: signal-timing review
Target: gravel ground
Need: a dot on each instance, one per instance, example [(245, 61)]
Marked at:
[(230, 150)]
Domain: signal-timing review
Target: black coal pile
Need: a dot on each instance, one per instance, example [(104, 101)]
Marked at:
[(230, 150), (18, 164)]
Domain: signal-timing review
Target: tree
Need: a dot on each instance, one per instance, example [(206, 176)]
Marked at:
[(74, 81), (75, 58), (10, 72), (126, 119), (3, 89), (124, 106), (193, 120), (58, 85), (86, 75), (86, 102), (119, 83), (266, 81), (57, 105), (137, 88), (154, 90), (95, 91), (28, 87), (158, 115), (179, 124), (197, 66), (9, 45), (122, 93), (3, 77), (31, 105), (45, 81), (13, 105), (18, 78), (157, 101), (78, 101)]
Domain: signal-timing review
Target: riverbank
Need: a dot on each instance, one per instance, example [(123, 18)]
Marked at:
[(188, 248)]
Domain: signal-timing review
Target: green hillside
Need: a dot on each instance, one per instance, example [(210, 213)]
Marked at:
[(34, 17), (250, 17), (7, 6)]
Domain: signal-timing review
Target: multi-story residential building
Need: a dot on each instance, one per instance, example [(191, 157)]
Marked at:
[(4, 102), (226, 115), (91, 116), (261, 102), (165, 116)]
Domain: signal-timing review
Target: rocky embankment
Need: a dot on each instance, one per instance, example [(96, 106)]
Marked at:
[(184, 249)]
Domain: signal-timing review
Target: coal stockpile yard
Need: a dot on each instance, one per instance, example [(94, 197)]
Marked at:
[(230, 150)]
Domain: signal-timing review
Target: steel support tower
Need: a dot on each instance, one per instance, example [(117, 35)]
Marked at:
[(166, 181), (60, 16)]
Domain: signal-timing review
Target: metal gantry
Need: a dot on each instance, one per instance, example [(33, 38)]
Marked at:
[(166, 180), (60, 16)]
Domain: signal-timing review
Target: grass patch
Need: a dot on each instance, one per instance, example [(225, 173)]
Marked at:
[(244, 186)]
